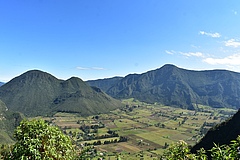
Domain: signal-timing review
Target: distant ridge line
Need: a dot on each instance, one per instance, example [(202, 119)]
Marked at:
[(178, 87)]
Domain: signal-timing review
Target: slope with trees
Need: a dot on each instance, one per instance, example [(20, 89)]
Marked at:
[(170, 85), (181, 151), (221, 134), (8, 122), (104, 84), (38, 93)]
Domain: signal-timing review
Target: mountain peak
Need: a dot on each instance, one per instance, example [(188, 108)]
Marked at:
[(75, 79), (34, 72), (37, 74), (167, 69), (170, 85), (169, 66), (39, 93)]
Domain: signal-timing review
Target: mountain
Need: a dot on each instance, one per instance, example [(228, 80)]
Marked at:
[(104, 84), (170, 85), (1, 83), (221, 134), (39, 93), (8, 122)]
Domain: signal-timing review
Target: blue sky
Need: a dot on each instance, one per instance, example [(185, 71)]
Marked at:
[(94, 39)]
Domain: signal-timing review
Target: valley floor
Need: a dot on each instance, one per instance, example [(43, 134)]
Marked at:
[(139, 130)]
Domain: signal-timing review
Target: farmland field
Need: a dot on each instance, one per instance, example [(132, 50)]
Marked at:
[(139, 130)]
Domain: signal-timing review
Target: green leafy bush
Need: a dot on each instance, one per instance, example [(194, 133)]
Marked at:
[(181, 151), (178, 151), (36, 140)]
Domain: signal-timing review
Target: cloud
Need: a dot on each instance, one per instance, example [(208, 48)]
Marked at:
[(186, 54), (195, 47), (192, 54), (90, 68), (229, 60), (97, 68), (170, 52), (213, 35), (232, 43), (234, 12), (82, 68)]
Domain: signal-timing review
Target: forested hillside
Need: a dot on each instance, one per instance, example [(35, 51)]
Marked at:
[(221, 134), (104, 84), (39, 93), (170, 85), (8, 122)]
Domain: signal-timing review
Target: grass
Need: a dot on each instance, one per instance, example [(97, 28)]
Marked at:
[(4, 138), (148, 127)]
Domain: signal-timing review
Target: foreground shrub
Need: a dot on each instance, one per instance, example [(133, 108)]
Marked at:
[(178, 151), (36, 140), (181, 151)]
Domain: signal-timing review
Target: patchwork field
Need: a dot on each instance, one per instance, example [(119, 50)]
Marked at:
[(139, 130)]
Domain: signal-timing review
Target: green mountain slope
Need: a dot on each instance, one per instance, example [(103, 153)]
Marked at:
[(178, 87), (104, 84), (221, 134), (39, 93), (8, 122), (77, 96)]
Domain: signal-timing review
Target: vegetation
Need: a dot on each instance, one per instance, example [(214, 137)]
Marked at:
[(220, 134), (36, 93), (104, 84), (139, 130), (9, 120), (173, 86), (181, 151), (37, 140)]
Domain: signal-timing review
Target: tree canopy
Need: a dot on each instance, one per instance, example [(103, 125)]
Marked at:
[(181, 151), (36, 140)]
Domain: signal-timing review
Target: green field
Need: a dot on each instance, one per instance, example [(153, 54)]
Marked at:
[(148, 128)]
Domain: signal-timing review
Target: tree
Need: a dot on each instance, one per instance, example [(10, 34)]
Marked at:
[(178, 151), (181, 151), (36, 140)]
